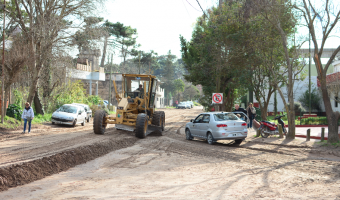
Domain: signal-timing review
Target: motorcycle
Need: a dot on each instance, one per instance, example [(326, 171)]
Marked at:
[(269, 128)]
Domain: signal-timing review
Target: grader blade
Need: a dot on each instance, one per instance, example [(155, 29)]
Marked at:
[(151, 128)]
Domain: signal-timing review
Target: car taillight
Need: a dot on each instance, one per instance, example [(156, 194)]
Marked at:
[(244, 124), (221, 125)]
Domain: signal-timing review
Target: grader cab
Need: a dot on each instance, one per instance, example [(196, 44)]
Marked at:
[(136, 108)]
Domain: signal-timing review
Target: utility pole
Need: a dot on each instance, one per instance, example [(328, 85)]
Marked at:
[(3, 71), (110, 82), (139, 61), (309, 82)]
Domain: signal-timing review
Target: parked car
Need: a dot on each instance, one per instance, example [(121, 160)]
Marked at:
[(183, 105), (87, 110), (69, 114), (107, 102), (190, 103), (214, 126)]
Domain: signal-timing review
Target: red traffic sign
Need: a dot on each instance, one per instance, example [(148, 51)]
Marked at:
[(217, 98)]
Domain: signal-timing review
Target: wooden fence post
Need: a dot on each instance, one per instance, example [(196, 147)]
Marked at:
[(280, 131), (258, 133), (308, 135), (322, 134)]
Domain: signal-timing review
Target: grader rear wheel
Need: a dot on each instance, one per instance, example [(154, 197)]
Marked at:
[(99, 124), (141, 125), (159, 119)]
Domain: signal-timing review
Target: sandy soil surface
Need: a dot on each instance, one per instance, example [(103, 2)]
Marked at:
[(170, 167)]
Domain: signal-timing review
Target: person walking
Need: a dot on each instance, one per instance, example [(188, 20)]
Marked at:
[(27, 116), (251, 114)]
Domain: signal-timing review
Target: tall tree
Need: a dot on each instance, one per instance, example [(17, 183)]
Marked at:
[(322, 20), (278, 13), (216, 53), (44, 25)]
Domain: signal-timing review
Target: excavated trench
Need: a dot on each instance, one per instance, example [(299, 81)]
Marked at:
[(20, 174)]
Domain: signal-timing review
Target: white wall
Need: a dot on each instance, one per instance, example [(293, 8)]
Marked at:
[(299, 88), (159, 97)]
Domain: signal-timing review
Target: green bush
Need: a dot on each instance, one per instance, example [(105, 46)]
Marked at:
[(315, 99), (298, 107), (14, 111)]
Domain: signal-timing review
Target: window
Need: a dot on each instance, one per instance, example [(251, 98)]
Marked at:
[(206, 118), (225, 116), (199, 119), (336, 102)]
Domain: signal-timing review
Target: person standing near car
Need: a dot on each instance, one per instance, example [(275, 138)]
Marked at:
[(27, 116), (239, 109), (251, 114)]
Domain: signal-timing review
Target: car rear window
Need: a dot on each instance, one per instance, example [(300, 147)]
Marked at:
[(225, 116)]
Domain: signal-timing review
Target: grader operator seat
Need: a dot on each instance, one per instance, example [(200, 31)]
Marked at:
[(136, 108)]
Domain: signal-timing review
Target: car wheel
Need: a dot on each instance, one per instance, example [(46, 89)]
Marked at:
[(74, 123), (83, 124), (88, 119), (53, 123), (188, 135), (210, 139), (239, 141)]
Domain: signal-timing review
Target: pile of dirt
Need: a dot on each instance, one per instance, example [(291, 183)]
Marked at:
[(24, 173)]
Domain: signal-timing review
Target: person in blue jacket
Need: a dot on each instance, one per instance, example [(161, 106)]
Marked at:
[(27, 116)]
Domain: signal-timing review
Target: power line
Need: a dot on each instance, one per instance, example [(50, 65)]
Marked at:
[(186, 8), (201, 7), (193, 6)]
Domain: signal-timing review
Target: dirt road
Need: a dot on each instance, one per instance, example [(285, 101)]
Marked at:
[(168, 167)]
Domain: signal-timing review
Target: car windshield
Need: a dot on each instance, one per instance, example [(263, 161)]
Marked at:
[(225, 116), (68, 109), (181, 104)]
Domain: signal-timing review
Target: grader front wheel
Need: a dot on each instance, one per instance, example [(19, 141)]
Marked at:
[(99, 124), (159, 119), (141, 125)]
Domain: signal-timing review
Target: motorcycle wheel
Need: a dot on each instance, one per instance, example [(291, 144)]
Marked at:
[(263, 134)]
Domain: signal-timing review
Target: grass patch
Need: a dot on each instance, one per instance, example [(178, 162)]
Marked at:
[(39, 119), (10, 123), (197, 104), (170, 107), (112, 112)]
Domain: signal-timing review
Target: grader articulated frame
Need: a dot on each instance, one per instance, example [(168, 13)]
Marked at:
[(136, 108)]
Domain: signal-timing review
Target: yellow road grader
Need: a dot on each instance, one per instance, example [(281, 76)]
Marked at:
[(136, 108)]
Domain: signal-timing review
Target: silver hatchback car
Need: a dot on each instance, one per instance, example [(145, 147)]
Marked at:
[(214, 126), (69, 114)]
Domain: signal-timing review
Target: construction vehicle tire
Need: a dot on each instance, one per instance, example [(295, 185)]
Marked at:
[(141, 125), (157, 118), (99, 124), (163, 120)]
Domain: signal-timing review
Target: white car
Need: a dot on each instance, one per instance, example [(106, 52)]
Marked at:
[(69, 114), (214, 126), (87, 110)]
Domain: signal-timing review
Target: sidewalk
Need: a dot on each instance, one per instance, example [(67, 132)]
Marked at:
[(315, 132)]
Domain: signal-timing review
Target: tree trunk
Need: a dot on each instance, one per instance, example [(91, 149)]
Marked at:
[(104, 52), (37, 104), (332, 117)]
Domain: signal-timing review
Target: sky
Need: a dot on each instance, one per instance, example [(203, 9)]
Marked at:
[(159, 23)]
